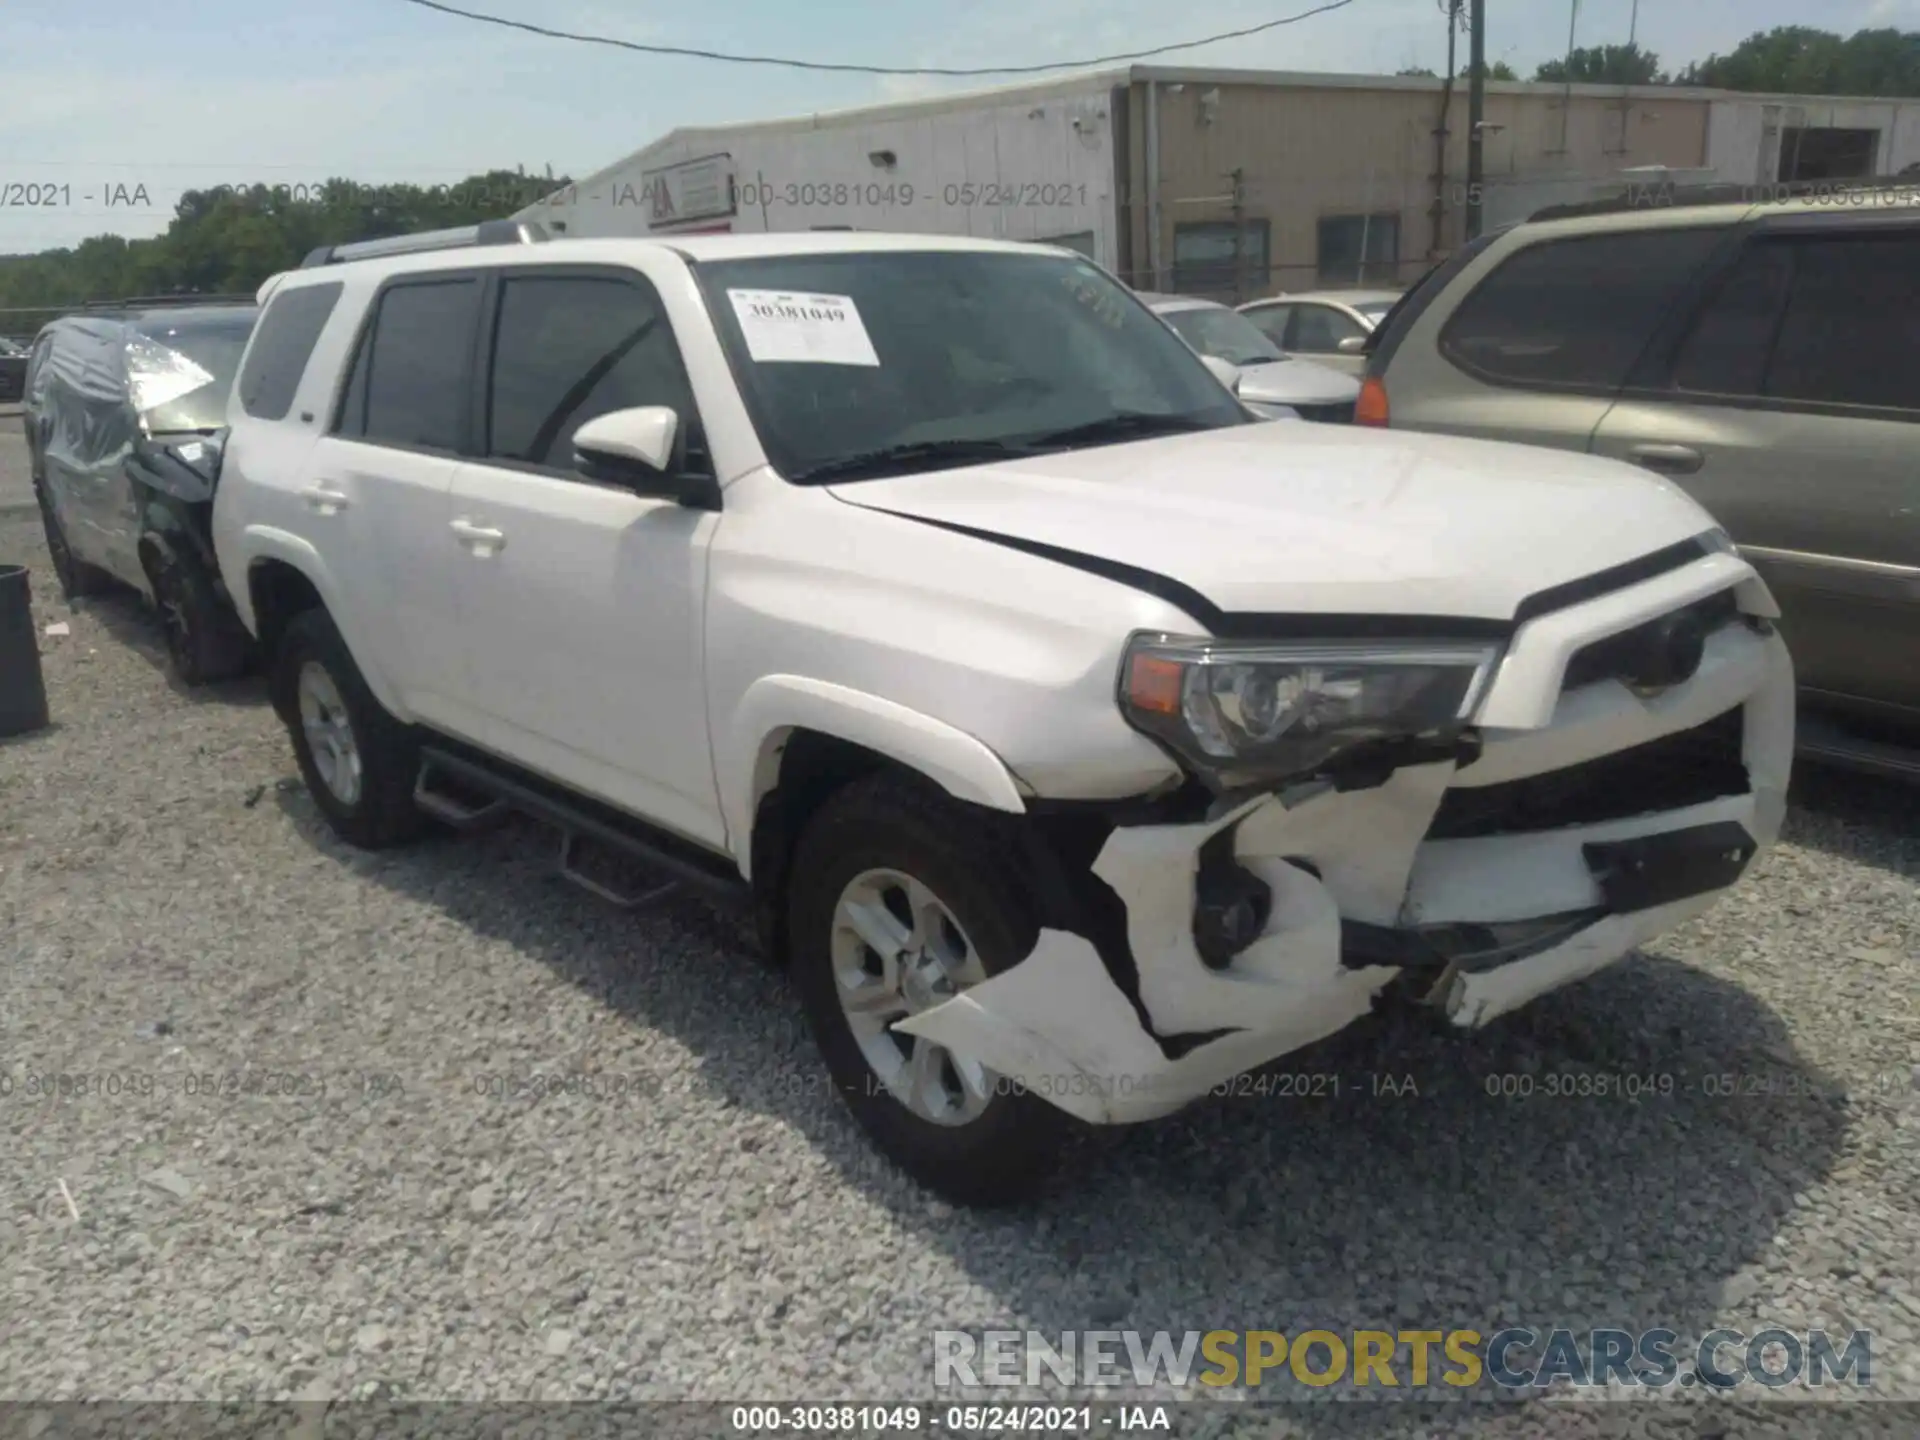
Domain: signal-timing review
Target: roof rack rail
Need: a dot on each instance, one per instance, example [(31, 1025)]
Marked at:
[(1654, 192), (487, 232), (159, 302)]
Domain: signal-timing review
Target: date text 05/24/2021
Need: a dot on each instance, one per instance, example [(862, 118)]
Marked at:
[(872, 194)]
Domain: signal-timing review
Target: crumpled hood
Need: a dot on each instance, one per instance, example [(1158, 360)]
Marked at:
[(1305, 519)]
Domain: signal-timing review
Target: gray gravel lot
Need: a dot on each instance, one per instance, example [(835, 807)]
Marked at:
[(708, 1223)]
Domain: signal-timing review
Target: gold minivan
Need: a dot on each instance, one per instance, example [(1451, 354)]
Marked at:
[(1761, 351)]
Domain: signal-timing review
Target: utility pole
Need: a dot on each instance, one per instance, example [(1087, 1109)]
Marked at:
[(1239, 178), (1476, 114), (1437, 235)]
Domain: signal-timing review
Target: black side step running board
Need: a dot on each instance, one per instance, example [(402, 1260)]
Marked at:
[(1822, 740), (575, 817)]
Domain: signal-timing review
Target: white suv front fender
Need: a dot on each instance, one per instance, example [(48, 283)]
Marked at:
[(776, 705)]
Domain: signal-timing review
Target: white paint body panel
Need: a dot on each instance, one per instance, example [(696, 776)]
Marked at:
[(1290, 987), (658, 658)]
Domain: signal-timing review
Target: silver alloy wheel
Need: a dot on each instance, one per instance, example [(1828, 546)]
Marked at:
[(329, 732), (897, 950)]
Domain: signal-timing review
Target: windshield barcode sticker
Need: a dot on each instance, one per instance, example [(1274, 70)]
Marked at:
[(781, 325)]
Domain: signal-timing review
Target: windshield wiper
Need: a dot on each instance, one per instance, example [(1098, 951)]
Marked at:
[(1126, 425), (910, 456)]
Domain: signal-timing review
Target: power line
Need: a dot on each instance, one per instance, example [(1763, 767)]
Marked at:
[(695, 54)]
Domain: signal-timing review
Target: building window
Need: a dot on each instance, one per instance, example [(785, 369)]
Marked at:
[(1359, 249), (1807, 153), (1220, 259), (1080, 240)]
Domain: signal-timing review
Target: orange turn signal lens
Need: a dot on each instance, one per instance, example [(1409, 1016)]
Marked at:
[(1153, 684), (1371, 408)]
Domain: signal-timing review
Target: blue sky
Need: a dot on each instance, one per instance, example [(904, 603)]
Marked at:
[(104, 93)]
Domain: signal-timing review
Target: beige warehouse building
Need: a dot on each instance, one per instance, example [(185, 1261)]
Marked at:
[(1226, 182)]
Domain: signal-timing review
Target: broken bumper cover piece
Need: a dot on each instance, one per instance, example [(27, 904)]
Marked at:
[(1363, 896)]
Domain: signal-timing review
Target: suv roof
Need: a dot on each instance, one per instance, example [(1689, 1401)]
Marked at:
[(1658, 197), (1177, 302), (453, 253), (134, 303), (1358, 295)]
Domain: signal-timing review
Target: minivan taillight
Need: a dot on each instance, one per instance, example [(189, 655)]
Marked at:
[(1371, 408)]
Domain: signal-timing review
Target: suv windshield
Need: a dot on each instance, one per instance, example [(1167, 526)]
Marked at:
[(1224, 334), (211, 342), (861, 364)]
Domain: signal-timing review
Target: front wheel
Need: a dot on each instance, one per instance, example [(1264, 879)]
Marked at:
[(204, 638), (900, 900)]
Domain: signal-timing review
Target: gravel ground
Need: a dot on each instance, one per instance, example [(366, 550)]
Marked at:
[(709, 1225)]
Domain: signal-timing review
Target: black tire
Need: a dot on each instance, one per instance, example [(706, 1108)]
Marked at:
[(77, 578), (1004, 1155), (382, 814), (204, 637)]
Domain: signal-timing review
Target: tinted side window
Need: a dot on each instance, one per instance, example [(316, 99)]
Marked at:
[(410, 379), (1272, 321), (282, 346), (1851, 335), (568, 348), (1726, 351), (1321, 328), (1574, 312)]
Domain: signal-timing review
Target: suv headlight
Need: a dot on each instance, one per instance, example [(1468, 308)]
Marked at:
[(1244, 713)]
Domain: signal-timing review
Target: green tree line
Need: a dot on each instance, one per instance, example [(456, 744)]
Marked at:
[(1787, 60), (230, 240)]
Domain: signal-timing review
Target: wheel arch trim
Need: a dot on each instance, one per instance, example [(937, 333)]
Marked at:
[(774, 706), (264, 544)]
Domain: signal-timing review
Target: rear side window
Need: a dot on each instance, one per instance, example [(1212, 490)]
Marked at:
[(37, 357), (1574, 313), (282, 345), (1726, 351), (1832, 319), (570, 348), (1319, 329), (1272, 321), (409, 381), (1851, 335)]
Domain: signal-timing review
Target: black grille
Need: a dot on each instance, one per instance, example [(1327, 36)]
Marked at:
[(1327, 414), (1688, 768), (1617, 656)]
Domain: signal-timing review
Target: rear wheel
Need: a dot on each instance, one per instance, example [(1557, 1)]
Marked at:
[(900, 899), (359, 762)]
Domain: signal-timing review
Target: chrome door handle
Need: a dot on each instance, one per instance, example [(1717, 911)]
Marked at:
[(480, 537), (327, 502), (1668, 459)]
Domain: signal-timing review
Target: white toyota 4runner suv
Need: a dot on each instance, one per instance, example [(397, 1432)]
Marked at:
[(1082, 741)]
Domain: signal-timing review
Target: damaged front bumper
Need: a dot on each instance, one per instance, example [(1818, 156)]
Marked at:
[(1592, 819)]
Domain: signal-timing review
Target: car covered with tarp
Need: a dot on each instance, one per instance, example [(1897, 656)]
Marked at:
[(126, 419)]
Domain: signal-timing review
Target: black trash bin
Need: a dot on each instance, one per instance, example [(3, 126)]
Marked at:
[(23, 690)]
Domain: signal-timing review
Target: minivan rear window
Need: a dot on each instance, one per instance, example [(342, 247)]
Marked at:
[(1577, 312)]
